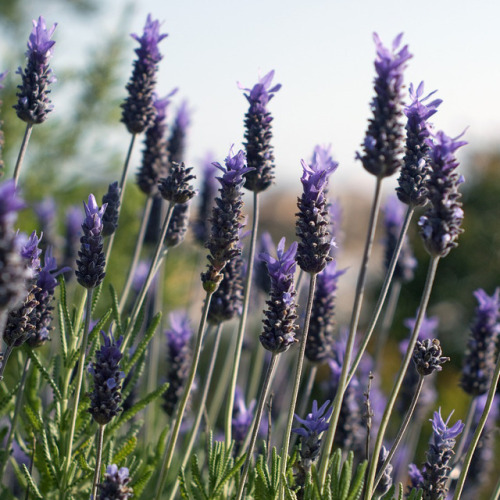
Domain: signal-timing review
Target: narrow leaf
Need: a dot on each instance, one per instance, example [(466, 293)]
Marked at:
[(33, 487), (44, 373), (114, 305)]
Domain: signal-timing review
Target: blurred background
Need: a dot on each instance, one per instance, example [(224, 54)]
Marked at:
[(322, 52)]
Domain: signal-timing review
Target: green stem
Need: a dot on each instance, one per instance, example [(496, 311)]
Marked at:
[(81, 363), (478, 431), (383, 293), (5, 358), (169, 450), (401, 432), (356, 310), (137, 253), (97, 473), (256, 373), (465, 433), (431, 273), (13, 423), (22, 152), (496, 491), (256, 424), (243, 319), (151, 274), (296, 384), (202, 405)]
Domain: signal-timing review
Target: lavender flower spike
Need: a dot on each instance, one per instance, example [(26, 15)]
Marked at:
[(436, 468), (177, 140), (313, 219), (258, 134), (440, 225), (382, 149), (479, 363), (208, 192), (91, 264), (279, 323), (33, 103), (110, 217), (226, 218), (106, 397), (412, 189), (115, 484), (138, 109)]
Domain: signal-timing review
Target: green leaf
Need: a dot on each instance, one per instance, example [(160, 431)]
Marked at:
[(196, 477), (34, 419), (127, 448), (358, 482), (33, 487), (64, 305), (228, 474), (99, 325), (345, 476), (139, 485), (140, 405), (143, 343), (44, 373), (62, 332), (115, 307), (336, 468), (5, 401)]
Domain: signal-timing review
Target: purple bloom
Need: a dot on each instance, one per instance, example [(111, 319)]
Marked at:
[(313, 219), (177, 141), (226, 218), (154, 155), (106, 397), (110, 217), (31, 253), (382, 144), (33, 103), (138, 109), (321, 328), (175, 187), (427, 356), (262, 279), (178, 225), (208, 192), (436, 468), (91, 264), (10, 203), (73, 230), (279, 323), (479, 362), (115, 484), (46, 212), (393, 221), (258, 134), (415, 475), (179, 358), (440, 225), (242, 417)]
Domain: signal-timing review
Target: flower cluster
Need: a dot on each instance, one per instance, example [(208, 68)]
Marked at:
[(313, 252), (115, 484), (427, 356), (175, 187), (33, 103), (258, 134), (106, 397), (412, 189), (110, 217), (382, 147), (440, 225), (138, 109), (279, 323)]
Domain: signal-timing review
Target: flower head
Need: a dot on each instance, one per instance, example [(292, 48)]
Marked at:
[(242, 416), (148, 51), (33, 103), (428, 357), (261, 93), (440, 225), (115, 484), (382, 143), (111, 200), (31, 253)]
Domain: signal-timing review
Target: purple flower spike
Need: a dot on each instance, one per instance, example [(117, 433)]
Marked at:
[(242, 417), (313, 218), (440, 225), (179, 358), (115, 484), (279, 324), (177, 141), (223, 243), (10, 203), (138, 109), (31, 253), (382, 149), (258, 134), (91, 264), (479, 362), (33, 103)]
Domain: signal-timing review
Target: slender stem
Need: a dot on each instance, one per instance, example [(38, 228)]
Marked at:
[(383, 292), (401, 432), (256, 373), (296, 384), (387, 322), (97, 473), (123, 183), (496, 492), (17, 410), (431, 273), (243, 319), (478, 431), (137, 253), (5, 358), (356, 310), (22, 152), (151, 274), (81, 363), (256, 424), (169, 450), (465, 433), (202, 406)]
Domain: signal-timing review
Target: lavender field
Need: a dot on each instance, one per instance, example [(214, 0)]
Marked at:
[(193, 329)]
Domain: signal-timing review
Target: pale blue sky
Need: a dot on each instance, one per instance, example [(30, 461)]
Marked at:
[(322, 52)]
